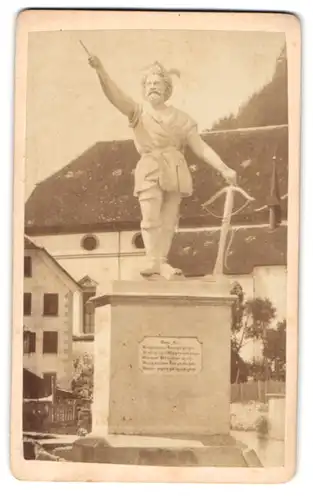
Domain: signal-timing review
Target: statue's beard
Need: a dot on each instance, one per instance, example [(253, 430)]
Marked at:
[(154, 96)]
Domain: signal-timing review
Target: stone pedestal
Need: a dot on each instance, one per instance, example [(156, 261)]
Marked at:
[(162, 359), (162, 377)]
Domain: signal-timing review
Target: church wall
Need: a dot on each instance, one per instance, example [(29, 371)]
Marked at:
[(117, 258), (64, 245)]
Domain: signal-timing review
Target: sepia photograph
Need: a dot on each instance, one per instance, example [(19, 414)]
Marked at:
[(156, 205)]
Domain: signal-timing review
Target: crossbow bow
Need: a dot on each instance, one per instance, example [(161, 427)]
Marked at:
[(229, 192)]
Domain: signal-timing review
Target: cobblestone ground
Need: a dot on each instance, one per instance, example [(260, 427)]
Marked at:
[(270, 451), (244, 416)]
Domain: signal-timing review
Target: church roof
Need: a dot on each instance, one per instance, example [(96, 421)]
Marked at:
[(195, 251), (95, 191)]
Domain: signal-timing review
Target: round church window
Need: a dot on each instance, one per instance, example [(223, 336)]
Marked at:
[(138, 241), (90, 242)]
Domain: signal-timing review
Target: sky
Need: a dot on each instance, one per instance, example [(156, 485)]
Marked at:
[(67, 111)]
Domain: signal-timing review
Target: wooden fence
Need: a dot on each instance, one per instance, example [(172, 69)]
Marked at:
[(47, 417), (62, 413), (255, 391)]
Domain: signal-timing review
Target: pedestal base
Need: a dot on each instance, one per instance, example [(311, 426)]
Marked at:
[(162, 359), (218, 451)]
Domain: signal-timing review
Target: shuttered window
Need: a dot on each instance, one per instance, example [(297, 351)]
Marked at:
[(50, 343)]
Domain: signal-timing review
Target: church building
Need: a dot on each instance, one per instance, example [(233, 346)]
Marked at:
[(87, 218)]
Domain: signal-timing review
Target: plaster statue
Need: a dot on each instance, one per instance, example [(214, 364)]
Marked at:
[(162, 176)]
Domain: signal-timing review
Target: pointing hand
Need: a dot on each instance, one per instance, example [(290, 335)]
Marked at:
[(95, 62)]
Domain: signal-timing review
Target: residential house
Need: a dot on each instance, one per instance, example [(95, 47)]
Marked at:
[(52, 315)]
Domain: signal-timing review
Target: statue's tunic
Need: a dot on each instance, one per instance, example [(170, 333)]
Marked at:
[(160, 141)]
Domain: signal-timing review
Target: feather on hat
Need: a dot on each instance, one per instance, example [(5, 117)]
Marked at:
[(159, 69)]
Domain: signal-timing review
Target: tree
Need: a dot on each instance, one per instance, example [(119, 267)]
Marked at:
[(274, 350), (257, 369), (82, 383), (239, 371), (252, 319), (259, 314), (268, 106)]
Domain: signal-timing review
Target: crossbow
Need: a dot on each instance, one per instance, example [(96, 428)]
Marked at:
[(229, 192)]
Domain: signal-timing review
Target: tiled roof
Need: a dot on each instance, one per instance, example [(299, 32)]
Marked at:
[(95, 191), (195, 252)]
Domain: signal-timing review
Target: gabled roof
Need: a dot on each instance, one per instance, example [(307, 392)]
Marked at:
[(95, 191), (87, 282), (30, 245)]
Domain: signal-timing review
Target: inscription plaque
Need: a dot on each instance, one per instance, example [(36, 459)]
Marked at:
[(170, 355)]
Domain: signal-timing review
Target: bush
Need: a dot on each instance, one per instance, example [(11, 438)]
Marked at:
[(262, 426)]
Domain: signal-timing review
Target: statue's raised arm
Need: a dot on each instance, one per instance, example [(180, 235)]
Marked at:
[(114, 94), (162, 177)]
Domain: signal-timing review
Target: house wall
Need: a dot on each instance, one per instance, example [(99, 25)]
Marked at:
[(44, 280)]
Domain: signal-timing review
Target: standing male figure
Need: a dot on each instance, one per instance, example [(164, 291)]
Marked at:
[(162, 176)]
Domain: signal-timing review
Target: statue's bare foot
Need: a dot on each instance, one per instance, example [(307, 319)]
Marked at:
[(169, 272)]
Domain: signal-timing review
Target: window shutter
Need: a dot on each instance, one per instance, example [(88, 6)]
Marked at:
[(51, 304), (27, 304), (27, 266), (50, 343)]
